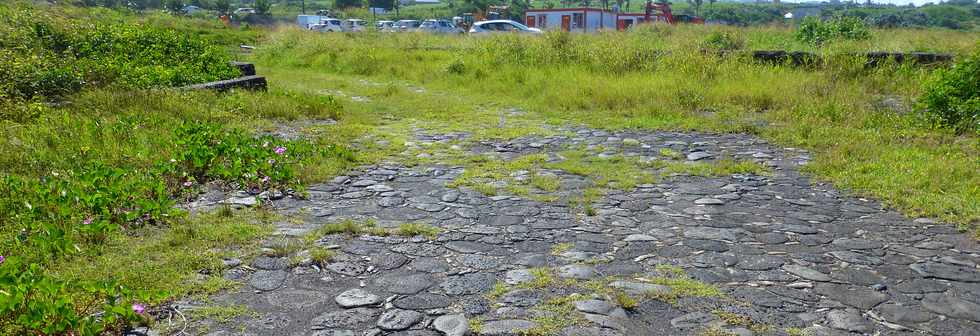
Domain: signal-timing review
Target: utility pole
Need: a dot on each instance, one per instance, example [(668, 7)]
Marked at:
[(303, 2)]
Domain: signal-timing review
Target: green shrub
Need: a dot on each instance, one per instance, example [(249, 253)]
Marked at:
[(952, 96), (816, 31), (32, 303), (723, 41), (43, 55)]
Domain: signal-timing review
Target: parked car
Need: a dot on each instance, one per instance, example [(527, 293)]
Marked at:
[(328, 25), (502, 26), (385, 25), (191, 9), (407, 25), (245, 10), (439, 27), (355, 25)]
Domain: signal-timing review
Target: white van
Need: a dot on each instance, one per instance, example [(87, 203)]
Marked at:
[(328, 25)]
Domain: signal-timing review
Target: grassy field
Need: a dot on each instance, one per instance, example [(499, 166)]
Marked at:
[(136, 148)]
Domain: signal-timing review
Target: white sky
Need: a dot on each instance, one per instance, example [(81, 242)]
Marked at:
[(897, 2)]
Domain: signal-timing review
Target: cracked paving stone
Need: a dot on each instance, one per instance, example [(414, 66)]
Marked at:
[(520, 298), (946, 271), (423, 301), (693, 320), (452, 325), (346, 268), (950, 306), (577, 271), (348, 318), (267, 280), (759, 263), (849, 321), (860, 297), (640, 288), (506, 327), (399, 319), (357, 298), (806, 273), (473, 283), (405, 283)]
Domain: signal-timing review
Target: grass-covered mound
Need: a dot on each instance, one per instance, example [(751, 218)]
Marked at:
[(45, 55)]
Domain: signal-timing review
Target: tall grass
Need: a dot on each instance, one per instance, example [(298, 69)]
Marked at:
[(657, 77)]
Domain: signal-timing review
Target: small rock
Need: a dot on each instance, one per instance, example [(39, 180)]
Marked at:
[(452, 325), (848, 320), (399, 319), (357, 298), (693, 320), (695, 156), (506, 327)]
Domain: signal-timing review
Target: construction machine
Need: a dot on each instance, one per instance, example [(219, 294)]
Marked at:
[(660, 11), (466, 20)]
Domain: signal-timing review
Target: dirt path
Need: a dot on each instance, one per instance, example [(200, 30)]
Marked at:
[(686, 255)]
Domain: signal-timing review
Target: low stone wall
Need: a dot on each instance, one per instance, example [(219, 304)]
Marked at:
[(872, 58), (247, 81)]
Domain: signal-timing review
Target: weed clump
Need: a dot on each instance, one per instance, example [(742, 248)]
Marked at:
[(816, 31), (952, 96)]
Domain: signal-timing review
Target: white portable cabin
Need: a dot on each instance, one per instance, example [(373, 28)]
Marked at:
[(581, 19), (306, 21)]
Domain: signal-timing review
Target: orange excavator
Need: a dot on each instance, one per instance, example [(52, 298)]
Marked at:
[(660, 11), (491, 13)]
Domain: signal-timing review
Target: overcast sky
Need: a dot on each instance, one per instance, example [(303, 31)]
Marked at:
[(897, 2)]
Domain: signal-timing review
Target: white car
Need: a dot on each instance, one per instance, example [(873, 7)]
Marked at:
[(439, 27), (245, 10), (385, 26), (355, 25), (328, 25), (407, 25), (502, 26)]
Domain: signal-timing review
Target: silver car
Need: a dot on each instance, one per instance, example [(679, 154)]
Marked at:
[(502, 26), (439, 27), (407, 25)]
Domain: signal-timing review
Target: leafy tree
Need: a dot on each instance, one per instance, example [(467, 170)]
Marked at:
[(221, 6), (348, 3), (174, 6), (262, 7), (697, 5)]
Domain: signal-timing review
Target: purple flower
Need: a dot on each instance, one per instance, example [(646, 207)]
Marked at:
[(280, 150), (87, 221), (138, 308), (272, 161), (2, 259), (265, 179)]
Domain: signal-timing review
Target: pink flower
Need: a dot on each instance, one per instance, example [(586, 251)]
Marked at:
[(272, 161), (280, 150), (188, 184), (265, 179), (2, 259), (138, 308), (87, 221)]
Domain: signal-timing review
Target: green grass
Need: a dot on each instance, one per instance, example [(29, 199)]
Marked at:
[(417, 229), (220, 314), (168, 262)]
